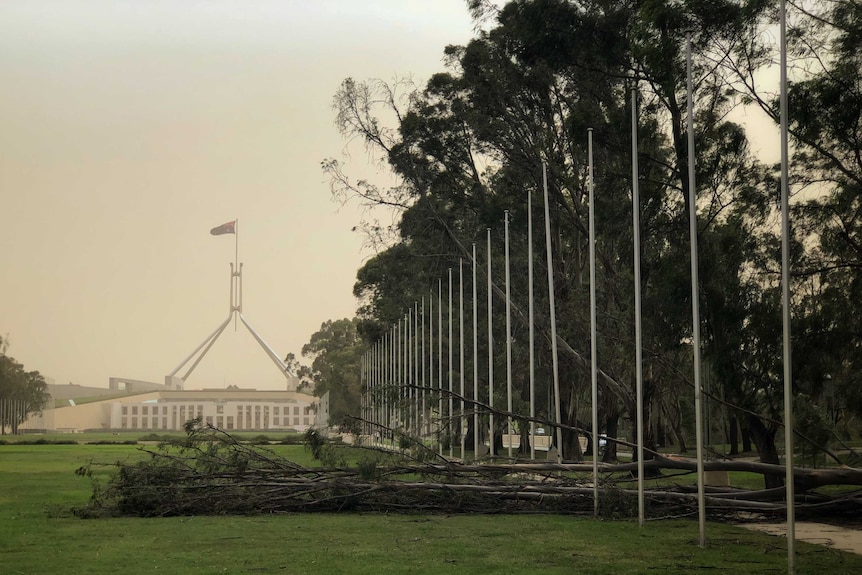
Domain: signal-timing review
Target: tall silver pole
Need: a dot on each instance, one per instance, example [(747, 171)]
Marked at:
[(408, 353), (785, 299), (532, 329), (417, 425), (638, 348), (440, 362), (695, 301), (557, 408), (424, 417), (463, 429), (450, 421), (508, 338), (594, 355), (475, 360), (490, 354), (390, 412), (430, 356)]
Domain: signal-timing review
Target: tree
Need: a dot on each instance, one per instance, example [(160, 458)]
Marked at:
[(336, 353), (22, 393)]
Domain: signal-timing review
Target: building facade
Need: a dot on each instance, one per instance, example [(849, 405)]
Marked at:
[(232, 409)]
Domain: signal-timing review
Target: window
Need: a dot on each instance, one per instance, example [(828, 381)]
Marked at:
[(134, 410), (220, 421), (209, 419), (275, 410), (125, 410), (220, 408), (305, 421), (144, 410), (134, 422), (164, 423), (296, 411), (230, 421)]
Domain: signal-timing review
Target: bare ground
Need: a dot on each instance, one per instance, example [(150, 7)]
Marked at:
[(832, 536)]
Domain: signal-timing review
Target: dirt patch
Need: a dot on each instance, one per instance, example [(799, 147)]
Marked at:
[(832, 536)]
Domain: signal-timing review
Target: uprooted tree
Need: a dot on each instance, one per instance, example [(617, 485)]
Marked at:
[(212, 473)]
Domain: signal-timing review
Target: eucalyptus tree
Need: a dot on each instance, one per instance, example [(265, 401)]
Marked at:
[(471, 144)]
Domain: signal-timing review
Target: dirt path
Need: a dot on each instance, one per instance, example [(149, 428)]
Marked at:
[(824, 534)]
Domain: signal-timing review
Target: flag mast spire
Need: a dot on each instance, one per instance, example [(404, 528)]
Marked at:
[(176, 382)]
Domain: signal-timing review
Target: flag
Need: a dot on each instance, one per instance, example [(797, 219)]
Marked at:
[(228, 228)]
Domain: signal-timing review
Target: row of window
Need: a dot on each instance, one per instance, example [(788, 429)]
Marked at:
[(154, 409), (219, 421)]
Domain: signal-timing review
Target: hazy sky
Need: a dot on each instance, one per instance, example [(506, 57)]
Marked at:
[(128, 129)]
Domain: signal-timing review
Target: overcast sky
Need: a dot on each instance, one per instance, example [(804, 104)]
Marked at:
[(130, 128)]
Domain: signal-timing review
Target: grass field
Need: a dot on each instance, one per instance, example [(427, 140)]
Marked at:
[(39, 535)]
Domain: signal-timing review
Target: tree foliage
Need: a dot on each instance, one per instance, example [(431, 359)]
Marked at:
[(335, 352), (22, 393), (470, 145)]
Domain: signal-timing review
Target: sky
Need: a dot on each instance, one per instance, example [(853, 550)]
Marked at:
[(129, 129)]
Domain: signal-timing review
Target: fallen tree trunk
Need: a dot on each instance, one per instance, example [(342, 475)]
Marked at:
[(212, 473)]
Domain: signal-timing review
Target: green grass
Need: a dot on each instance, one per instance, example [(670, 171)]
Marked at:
[(39, 535)]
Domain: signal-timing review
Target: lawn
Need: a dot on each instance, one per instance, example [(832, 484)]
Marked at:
[(39, 535)]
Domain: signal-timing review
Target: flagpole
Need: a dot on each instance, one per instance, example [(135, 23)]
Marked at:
[(440, 426), (490, 355), (463, 423), (638, 334), (508, 339), (532, 328), (785, 300), (550, 257), (594, 359), (475, 362), (695, 302), (451, 374), (424, 418), (430, 355)]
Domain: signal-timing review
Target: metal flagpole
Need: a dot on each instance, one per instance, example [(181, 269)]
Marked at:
[(413, 373), (408, 353), (638, 349), (449, 421), (417, 421), (400, 370), (430, 354), (508, 338), (695, 302), (475, 361), (490, 355), (440, 364), (424, 417), (785, 300), (532, 328), (463, 425), (557, 408), (594, 356)]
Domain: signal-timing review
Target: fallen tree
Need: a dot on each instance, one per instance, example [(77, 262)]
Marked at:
[(212, 473)]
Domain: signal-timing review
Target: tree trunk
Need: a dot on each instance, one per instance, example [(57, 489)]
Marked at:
[(764, 439), (733, 435), (746, 439)]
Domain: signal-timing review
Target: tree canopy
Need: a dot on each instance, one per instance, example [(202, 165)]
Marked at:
[(470, 146), (22, 393)]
